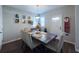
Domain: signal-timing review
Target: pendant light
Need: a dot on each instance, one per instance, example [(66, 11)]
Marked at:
[(38, 15)]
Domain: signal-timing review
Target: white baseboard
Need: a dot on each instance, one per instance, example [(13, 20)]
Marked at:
[(20, 38), (10, 41), (69, 42)]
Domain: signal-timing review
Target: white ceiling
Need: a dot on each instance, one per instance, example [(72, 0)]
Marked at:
[(36, 10)]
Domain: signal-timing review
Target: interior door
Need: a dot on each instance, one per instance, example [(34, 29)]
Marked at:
[(56, 25)]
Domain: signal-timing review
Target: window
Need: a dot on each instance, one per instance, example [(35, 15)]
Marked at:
[(40, 20), (34, 22)]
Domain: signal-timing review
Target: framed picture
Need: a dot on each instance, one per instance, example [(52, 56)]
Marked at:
[(16, 20), (29, 19), (23, 19), (16, 16)]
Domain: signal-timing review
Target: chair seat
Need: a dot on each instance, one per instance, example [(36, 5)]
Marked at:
[(53, 45)]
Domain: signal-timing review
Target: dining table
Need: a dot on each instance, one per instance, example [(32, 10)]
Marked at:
[(43, 37)]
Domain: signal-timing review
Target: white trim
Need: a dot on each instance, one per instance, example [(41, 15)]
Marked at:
[(69, 42), (10, 41), (20, 38)]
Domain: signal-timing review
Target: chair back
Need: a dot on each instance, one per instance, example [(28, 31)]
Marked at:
[(23, 36), (60, 43), (27, 39)]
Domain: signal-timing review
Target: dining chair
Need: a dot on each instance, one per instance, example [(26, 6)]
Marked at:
[(56, 44), (43, 29), (29, 41)]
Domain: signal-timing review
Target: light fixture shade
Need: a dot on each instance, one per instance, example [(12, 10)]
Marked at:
[(38, 16)]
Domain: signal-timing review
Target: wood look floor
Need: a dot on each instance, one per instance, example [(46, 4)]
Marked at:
[(20, 47)]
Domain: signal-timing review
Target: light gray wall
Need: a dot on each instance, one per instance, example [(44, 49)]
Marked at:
[(66, 11), (1, 21), (1, 27), (77, 28), (11, 29)]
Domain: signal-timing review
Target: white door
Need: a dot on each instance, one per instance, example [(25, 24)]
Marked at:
[(1, 27), (56, 25)]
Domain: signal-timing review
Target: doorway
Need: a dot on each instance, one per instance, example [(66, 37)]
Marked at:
[(56, 25)]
